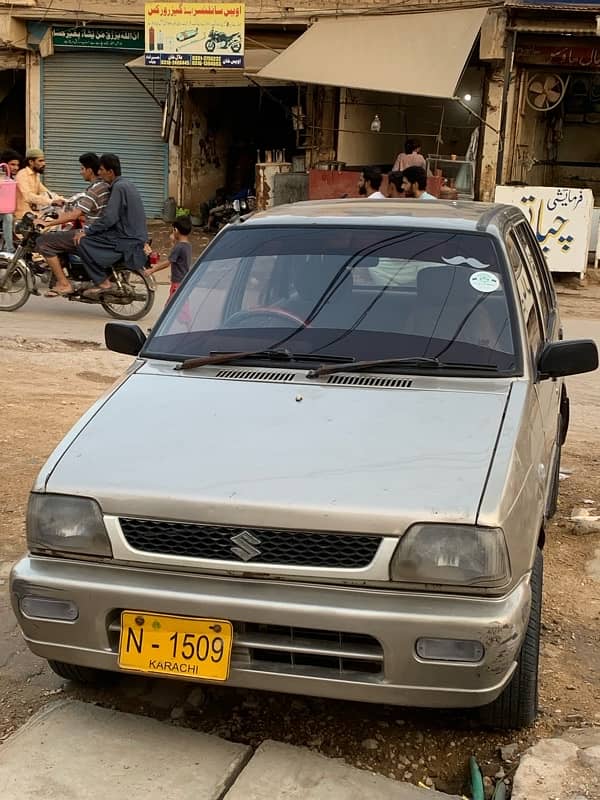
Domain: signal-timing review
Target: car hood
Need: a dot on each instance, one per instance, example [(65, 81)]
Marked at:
[(187, 446)]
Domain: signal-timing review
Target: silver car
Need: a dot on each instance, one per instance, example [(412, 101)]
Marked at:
[(328, 471)]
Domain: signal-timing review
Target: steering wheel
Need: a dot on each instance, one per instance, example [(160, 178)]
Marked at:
[(271, 312)]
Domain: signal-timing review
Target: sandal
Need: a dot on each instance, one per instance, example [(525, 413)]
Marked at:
[(58, 293)]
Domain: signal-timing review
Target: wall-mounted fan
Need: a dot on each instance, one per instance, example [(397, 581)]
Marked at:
[(545, 92)]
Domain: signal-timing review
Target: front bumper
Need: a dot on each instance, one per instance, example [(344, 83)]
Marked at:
[(341, 642)]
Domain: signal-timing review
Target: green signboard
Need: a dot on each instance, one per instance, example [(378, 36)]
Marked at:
[(98, 38)]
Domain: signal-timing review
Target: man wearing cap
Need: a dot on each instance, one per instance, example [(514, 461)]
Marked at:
[(31, 192)]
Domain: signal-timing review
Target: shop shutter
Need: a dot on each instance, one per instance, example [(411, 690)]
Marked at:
[(90, 101)]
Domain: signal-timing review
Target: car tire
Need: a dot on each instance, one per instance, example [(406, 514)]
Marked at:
[(517, 706), (86, 676)]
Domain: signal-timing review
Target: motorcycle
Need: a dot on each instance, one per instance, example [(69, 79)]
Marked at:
[(233, 209), (22, 274), (232, 42)]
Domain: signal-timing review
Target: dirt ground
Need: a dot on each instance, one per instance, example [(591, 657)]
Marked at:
[(47, 384)]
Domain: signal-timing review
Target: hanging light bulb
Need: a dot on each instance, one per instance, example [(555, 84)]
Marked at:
[(467, 98), (376, 124)]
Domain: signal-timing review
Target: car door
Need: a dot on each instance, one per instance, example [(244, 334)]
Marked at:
[(549, 391), (537, 443)]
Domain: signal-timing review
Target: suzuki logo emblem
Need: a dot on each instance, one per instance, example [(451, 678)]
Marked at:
[(245, 548)]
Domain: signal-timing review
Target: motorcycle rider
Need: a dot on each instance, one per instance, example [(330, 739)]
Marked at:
[(31, 192), (119, 235), (87, 209)]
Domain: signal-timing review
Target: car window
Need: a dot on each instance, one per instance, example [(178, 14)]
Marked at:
[(526, 295), (353, 292), (535, 263)]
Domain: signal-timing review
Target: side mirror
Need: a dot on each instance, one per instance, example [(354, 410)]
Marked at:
[(568, 358), (124, 337)]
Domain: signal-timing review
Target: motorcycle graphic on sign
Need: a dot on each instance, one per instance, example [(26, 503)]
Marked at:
[(222, 40)]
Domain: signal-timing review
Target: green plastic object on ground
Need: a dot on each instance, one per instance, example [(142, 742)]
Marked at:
[(499, 791), (476, 780)]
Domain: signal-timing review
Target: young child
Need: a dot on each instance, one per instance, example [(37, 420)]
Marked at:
[(180, 256)]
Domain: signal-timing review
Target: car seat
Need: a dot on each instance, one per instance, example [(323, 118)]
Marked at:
[(311, 277), (448, 307)]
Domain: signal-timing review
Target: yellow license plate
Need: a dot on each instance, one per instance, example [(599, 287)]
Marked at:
[(186, 647)]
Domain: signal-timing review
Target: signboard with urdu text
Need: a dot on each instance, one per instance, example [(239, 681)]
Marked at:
[(83, 37), (561, 220), (195, 34), (575, 56)]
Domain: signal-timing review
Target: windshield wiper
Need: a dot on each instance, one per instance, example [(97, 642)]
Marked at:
[(279, 354), (409, 361)]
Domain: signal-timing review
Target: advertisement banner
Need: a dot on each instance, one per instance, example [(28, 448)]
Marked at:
[(194, 34), (561, 220), (97, 38)]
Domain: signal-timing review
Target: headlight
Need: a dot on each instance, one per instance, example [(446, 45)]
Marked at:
[(452, 555), (58, 523)]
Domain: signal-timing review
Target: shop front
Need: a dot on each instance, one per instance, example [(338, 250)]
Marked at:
[(89, 100), (226, 122), (551, 127), (396, 77)]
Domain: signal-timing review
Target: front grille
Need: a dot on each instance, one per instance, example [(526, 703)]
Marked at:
[(252, 545), (295, 651)]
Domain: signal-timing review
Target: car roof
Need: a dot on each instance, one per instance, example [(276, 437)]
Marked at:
[(453, 214)]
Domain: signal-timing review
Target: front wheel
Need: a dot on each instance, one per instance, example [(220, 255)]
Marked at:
[(130, 300), (517, 706), (210, 45), (14, 287), (86, 676)]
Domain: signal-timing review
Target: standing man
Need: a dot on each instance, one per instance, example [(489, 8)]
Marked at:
[(31, 192), (414, 183), (12, 159), (119, 235), (87, 210), (369, 183)]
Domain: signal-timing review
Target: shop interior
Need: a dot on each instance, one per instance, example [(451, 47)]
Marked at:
[(374, 126), (230, 130), (557, 120), (12, 109)]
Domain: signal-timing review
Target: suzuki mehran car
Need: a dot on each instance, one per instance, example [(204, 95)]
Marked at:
[(328, 471)]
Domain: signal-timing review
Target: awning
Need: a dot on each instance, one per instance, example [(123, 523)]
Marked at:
[(416, 54), (255, 59)]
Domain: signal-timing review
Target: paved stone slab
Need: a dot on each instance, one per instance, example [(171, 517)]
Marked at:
[(77, 751), (283, 772), (560, 769)]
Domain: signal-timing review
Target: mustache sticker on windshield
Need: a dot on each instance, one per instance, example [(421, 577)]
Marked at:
[(459, 261)]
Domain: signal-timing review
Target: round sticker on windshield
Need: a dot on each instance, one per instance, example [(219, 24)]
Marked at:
[(484, 282)]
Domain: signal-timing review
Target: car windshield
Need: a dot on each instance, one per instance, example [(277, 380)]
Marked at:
[(349, 293)]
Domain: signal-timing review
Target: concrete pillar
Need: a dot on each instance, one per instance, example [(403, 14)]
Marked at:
[(33, 100), (491, 139), (175, 175)]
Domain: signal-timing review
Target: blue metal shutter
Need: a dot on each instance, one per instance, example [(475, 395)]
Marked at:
[(90, 101)]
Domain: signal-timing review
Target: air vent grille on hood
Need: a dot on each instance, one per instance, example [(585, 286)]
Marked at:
[(256, 375), (371, 380)]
